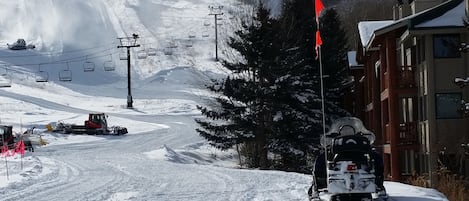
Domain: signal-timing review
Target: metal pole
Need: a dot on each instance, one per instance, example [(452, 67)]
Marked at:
[(216, 39), (129, 93), (322, 102)]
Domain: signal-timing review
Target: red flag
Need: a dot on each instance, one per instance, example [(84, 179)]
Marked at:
[(5, 151), (20, 148), (319, 6), (318, 43)]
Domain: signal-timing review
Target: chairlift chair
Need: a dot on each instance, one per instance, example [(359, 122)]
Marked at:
[(65, 75), (189, 43), (109, 65), (151, 52), (205, 34), (172, 44), (88, 66), (191, 34), (4, 70), (142, 54), (168, 51), (123, 55), (5, 79), (41, 75), (206, 23)]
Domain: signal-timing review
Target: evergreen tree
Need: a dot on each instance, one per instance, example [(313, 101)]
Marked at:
[(334, 55), (271, 104), (243, 113), (298, 120)]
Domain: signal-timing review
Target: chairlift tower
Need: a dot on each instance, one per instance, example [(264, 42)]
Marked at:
[(216, 11), (128, 42)]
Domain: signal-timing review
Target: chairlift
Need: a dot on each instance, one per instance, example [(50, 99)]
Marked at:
[(189, 43), (123, 55), (191, 34), (168, 51), (151, 52), (109, 65), (5, 79), (41, 75), (172, 44), (205, 34), (88, 66), (65, 75), (141, 54)]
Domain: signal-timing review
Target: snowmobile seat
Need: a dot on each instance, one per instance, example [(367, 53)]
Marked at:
[(358, 158), (351, 143), (354, 148)]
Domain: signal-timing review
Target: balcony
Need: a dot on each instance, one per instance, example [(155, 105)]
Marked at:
[(406, 77), (408, 133)]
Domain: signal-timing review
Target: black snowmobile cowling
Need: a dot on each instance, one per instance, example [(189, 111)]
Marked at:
[(6, 135), (20, 44)]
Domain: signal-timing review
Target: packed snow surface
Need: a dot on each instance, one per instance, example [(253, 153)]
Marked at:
[(162, 157)]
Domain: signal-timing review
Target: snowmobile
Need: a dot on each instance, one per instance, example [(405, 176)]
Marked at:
[(20, 44), (350, 167)]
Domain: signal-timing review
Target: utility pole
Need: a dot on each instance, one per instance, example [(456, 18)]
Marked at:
[(216, 11), (128, 42)]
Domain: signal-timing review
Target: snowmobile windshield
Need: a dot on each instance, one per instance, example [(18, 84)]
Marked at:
[(346, 126)]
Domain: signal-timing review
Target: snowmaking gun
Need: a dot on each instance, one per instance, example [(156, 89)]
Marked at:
[(95, 125), (349, 164)]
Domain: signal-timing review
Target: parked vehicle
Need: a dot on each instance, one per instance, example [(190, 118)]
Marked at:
[(20, 44), (95, 125)]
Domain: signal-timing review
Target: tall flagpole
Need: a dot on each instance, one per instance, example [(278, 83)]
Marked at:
[(319, 6), (322, 104), (322, 96)]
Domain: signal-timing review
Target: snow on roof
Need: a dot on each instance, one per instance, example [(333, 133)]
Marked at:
[(366, 29), (352, 59), (453, 17)]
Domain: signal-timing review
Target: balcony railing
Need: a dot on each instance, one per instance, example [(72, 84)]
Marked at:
[(408, 133), (407, 77)]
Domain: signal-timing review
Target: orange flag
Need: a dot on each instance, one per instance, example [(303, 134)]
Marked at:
[(319, 6)]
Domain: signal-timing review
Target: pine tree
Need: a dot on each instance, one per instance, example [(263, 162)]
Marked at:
[(272, 104), (244, 113), (334, 55), (298, 119)]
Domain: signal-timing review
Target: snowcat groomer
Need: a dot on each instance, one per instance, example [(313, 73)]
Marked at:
[(95, 125), (20, 44), (347, 168)]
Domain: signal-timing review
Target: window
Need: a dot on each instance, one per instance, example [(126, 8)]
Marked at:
[(448, 105), (446, 46), (421, 51)]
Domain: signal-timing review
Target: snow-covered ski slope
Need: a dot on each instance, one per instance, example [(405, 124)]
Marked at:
[(162, 157)]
